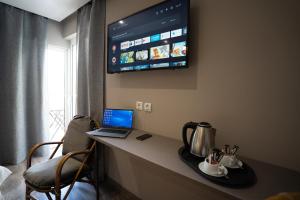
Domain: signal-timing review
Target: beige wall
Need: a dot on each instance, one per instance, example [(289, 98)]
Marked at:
[(69, 25), (243, 78), (55, 36)]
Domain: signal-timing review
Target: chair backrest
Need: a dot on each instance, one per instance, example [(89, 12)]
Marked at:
[(75, 138)]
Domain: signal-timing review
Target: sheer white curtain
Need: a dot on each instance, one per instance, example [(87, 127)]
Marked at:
[(71, 83)]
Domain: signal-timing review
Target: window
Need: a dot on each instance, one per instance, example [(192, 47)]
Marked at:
[(61, 78), (55, 65)]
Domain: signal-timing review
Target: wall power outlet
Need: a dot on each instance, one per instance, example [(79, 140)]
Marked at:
[(148, 107), (139, 105)]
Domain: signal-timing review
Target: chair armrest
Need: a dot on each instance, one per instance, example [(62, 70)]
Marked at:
[(35, 147), (64, 160)]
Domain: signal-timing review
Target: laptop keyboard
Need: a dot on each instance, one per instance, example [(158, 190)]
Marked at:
[(112, 131)]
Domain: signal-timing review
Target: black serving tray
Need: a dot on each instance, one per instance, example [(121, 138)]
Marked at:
[(236, 178)]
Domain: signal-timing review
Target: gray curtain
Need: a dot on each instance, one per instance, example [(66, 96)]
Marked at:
[(22, 47), (90, 40)]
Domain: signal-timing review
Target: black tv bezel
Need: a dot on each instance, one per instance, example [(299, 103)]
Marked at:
[(151, 69)]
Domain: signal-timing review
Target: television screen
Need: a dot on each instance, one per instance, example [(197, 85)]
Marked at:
[(155, 38)]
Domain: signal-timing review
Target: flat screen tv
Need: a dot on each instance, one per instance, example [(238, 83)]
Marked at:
[(154, 38)]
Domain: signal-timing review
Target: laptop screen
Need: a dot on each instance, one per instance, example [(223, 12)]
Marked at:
[(117, 118)]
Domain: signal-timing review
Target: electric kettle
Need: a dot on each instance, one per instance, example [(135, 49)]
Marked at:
[(201, 140)]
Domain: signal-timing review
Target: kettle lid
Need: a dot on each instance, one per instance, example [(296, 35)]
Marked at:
[(204, 124)]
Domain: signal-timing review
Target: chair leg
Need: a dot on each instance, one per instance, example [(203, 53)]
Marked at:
[(27, 193), (57, 195)]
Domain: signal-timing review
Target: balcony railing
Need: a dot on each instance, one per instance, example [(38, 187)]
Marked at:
[(56, 124)]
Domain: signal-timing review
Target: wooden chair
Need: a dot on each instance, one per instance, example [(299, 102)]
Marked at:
[(54, 174)]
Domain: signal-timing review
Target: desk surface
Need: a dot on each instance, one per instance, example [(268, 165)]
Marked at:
[(162, 151)]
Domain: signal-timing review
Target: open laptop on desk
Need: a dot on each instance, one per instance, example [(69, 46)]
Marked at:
[(115, 123)]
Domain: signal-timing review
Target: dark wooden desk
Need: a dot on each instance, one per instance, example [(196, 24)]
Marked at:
[(162, 151)]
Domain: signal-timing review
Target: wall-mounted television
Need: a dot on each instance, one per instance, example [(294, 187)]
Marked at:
[(154, 38)]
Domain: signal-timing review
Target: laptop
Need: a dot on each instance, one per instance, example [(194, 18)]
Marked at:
[(115, 123)]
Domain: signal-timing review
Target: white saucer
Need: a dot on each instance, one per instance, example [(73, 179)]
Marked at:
[(223, 169), (239, 164)]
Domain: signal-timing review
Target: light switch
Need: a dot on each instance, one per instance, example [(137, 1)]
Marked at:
[(148, 107), (139, 105)]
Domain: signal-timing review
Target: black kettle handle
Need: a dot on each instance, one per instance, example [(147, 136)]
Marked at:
[(192, 125)]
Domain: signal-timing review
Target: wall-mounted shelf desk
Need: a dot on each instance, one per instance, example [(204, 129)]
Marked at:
[(162, 151)]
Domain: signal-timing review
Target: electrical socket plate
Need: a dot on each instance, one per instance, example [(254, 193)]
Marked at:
[(148, 107), (139, 105)]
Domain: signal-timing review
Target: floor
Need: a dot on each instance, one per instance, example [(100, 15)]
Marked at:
[(13, 188), (84, 191)]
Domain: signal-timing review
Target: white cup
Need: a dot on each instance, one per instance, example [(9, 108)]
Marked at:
[(229, 160), (211, 168)]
